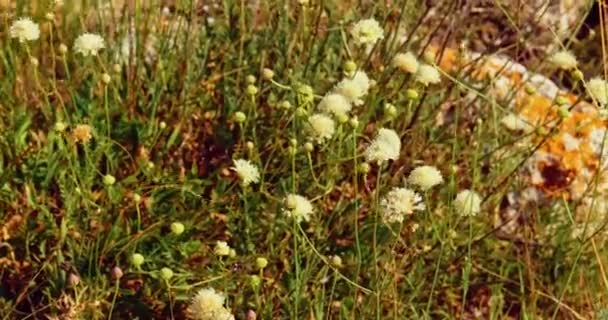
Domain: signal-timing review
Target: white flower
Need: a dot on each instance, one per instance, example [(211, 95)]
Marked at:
[(298, 207), (564, 59), (425, 177), (515, 122), (598, 89), (246, 171), (335, 104), (427, 74), (367, 32), (386, 146), (221, 248), (207, 304), (355, 88), (468, 203), (398, 203), (89, 44), (24, 29), (322, 127), (406, 62)]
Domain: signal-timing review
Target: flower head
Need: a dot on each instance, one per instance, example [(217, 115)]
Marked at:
[(207, 304), (89, 44), (298, 207), (82, 133), (425, 177), (246, 171), (468, 203), (321, 126), (427, 74), (398, 203), (24, 29), (406, 62), (355, 88), (386, 146), (367, 32), (221, 248), (564, 59), (598, 89), (335, 104)]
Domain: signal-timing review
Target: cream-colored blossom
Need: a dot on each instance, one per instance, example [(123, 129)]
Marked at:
[(367, 32), (385, 146), (598, 89), (406, 62), (427, 74), (298, 207), (355, 88), (89, 44), (564, 59), (467, 203), (24, 29), (335, 104), (247, 171), (321, 126), (425, 177), (208, 304), (398, 203)]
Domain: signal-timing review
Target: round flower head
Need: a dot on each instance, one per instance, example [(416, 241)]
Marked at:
[(564, 59), (427, 74), (425, 177), (355, 88), (221, 248), (321, 126), (406, 62), (298, 207), (367, 32), (386, 146), (598, 89), (207, 304), (246, 171), (468, 203), (335, 104), (88, 44), (24, 29), (82, 133), (399, 203)]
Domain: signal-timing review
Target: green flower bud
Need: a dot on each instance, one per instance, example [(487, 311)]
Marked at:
[(137, 260), (412, 94), (109, 180), (308, 147), (252, 90), (166, 274), (239, 117), (261, 263), (177, 228)]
